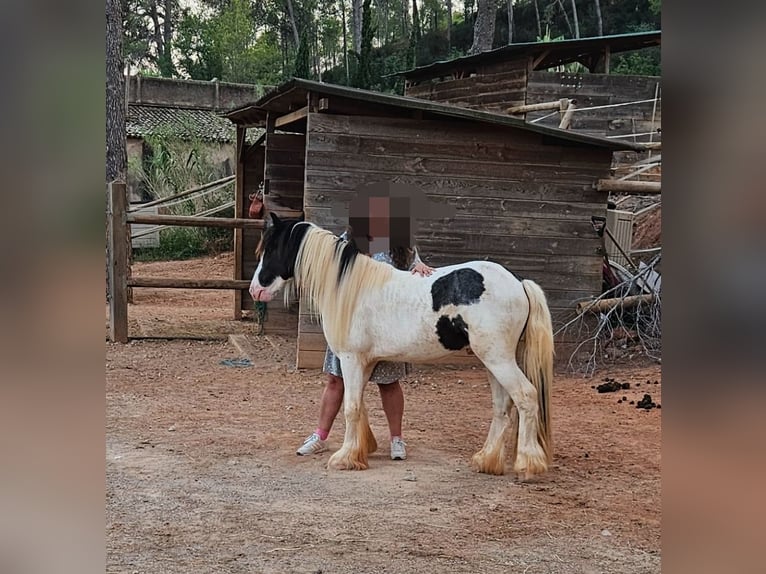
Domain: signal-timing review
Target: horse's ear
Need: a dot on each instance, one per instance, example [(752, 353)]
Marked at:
[(274, 219)]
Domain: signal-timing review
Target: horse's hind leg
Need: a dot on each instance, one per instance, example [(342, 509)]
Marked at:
[(491, 458), (530, 456)]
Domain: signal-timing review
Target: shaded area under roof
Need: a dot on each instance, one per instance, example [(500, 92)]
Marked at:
[(294, 94), (550, 53)]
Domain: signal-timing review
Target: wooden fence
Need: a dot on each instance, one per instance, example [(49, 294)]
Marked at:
[(119, 220)]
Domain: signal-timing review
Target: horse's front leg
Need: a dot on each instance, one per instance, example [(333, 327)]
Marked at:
[(356, 444)]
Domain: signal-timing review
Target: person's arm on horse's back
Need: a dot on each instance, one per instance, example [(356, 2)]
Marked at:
[(418, 266)]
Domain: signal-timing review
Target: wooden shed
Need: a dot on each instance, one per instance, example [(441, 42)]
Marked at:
[(523, 194), (537, 72)]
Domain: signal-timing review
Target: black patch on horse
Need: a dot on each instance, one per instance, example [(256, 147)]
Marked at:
[(348, 255), (461, 287), (453, 333), (280, 246)]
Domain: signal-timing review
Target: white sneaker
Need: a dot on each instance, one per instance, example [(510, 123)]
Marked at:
[(398, 452), (312, 445)]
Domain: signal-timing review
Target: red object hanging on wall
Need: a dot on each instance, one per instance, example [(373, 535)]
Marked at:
[(256, 206)]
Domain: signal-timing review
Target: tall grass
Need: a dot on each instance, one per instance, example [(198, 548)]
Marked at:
[(171, 165)]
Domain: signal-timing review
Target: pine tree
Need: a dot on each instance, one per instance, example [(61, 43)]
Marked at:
[(364, 69), (302, 59)]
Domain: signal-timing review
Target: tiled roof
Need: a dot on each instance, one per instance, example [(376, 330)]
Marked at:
[(206, 125)]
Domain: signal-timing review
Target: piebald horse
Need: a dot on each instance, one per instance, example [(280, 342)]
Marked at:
[(371, 311)]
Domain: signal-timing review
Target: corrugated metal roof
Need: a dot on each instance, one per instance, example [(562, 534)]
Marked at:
[(294, 93), (553, 53)]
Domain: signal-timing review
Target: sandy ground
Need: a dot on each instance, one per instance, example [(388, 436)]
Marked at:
[(202, 474)]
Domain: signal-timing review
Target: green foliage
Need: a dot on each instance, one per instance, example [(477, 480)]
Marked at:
[(640, 63), (225, 46), (171, 165), (254, 42), (645, 62)]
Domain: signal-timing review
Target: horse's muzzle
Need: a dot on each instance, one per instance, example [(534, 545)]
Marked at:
[(260, 294)]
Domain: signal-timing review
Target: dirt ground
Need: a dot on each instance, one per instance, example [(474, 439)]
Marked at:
[(202, 474)]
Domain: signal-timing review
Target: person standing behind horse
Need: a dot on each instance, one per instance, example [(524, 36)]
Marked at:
[(386, 374)]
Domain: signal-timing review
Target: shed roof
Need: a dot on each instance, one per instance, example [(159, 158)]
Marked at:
[(183, 123), (294, 94), (550, 53), (207, 125)]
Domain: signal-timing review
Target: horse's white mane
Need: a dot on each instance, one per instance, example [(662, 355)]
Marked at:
[(316, 278)]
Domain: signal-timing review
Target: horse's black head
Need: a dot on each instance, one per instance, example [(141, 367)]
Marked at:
[(277, 252)]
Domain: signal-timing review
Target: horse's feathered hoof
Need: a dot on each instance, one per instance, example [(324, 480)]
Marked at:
[(494, 464), (346, 462)]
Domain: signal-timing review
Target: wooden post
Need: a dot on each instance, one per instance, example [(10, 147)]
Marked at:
[(117, 253), (566, 120), (239, 201), (563, 105)]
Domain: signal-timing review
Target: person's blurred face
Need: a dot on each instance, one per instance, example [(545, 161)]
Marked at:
[(380, 217)]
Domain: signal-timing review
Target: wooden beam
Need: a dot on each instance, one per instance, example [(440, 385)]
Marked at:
[(292, 117), (181, 283), (608, 304), (534, 107), (540, 58), (117, 261), (638, 187), (194, 221)]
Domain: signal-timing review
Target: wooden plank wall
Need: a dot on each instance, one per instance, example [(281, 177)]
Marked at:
[(280, 320), (597, 90), (285, 158), (521, 203), (493, 87)]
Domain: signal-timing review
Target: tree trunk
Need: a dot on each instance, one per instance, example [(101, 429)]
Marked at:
[(157, 32), (566, 16), (166, 58), (405, 20), (356, 7), (116, 155), (449, 24), (510, 21), (537, 17), (416, 28), (599, 22), (345, 43), (384, 7), (296, 36), (574, 17), (484, 28)]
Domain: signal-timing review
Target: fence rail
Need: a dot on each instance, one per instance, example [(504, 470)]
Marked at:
[(118, 245), (194, 221)]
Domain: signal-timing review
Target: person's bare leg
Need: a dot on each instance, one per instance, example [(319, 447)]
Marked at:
[(392, 397), (332, 400)]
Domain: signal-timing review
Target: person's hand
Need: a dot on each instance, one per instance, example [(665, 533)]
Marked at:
[(422, 269)]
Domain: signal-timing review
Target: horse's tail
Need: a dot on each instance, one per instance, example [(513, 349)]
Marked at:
[(535, 353)]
